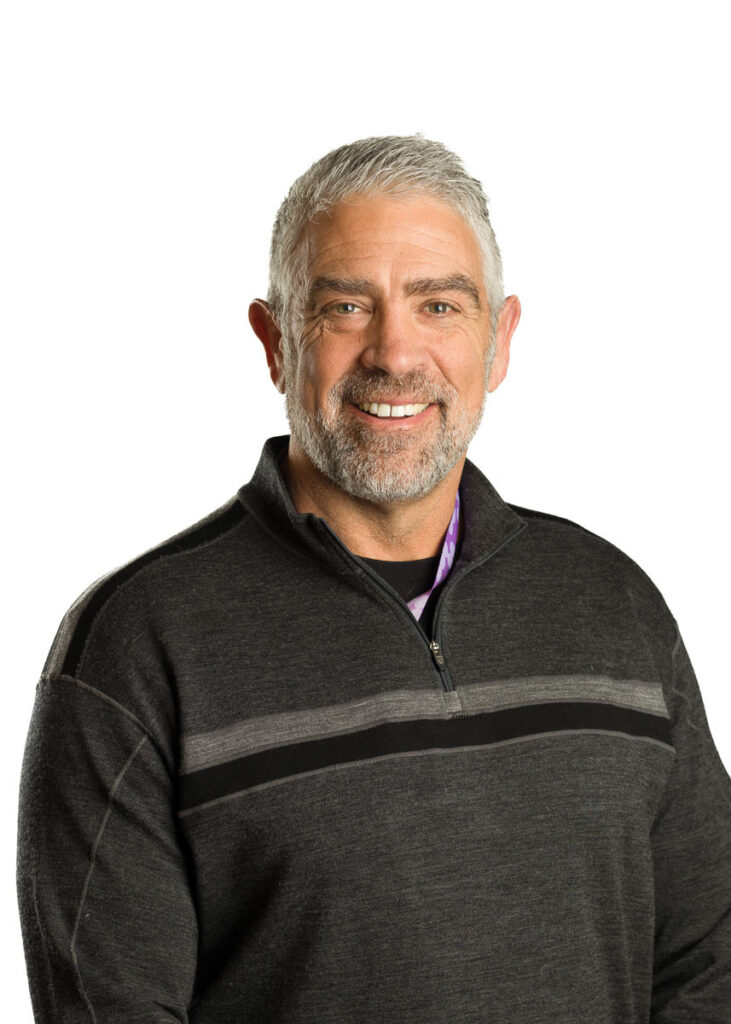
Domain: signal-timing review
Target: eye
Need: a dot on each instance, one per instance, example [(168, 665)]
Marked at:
[(438, 307), (344, 307)]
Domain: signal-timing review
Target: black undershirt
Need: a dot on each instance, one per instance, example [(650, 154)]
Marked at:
[(409, 579)]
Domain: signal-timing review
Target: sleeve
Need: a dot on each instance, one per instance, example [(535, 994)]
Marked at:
[(108, 920), (691, 847)]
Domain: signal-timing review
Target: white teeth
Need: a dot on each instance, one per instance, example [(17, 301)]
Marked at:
[(385, 411)]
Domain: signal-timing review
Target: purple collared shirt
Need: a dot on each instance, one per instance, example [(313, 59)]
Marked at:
[(417, 604)]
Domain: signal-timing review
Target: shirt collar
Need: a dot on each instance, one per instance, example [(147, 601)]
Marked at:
[(446, 561), (489, 522)]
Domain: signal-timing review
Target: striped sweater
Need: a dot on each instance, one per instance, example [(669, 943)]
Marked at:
[(256, 790)]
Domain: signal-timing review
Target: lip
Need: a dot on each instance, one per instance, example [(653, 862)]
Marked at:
[(393, 422), (398, 400)]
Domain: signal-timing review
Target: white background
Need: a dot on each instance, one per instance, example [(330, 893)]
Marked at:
[(147, 147)]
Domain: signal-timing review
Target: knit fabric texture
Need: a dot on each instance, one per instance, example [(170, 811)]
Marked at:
[(255, 789)]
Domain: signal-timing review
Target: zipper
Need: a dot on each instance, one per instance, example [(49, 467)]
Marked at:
[(434, 648), (451, 580), (433, 643), (436, 653)]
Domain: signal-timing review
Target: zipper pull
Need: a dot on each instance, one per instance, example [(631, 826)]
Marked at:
[(436, 652)]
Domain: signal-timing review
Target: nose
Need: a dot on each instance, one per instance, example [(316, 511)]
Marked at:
[(394, 343)]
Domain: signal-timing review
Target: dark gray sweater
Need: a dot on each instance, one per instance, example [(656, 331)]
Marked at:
[(255, 790)]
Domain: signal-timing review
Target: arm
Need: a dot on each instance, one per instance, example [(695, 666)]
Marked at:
[(108, 921), (691, 842)]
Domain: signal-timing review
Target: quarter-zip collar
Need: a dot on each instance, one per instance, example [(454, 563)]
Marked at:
[(489, 521)]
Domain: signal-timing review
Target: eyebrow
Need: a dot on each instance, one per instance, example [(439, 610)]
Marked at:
[(421, 286)]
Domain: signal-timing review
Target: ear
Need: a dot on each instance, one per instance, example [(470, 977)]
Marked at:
[(506, 324), (267, 331)]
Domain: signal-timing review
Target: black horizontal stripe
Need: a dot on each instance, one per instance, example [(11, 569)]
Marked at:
[(403, 737), (208, 530)]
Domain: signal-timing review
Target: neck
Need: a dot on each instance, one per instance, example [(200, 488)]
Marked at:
[(393, 531)]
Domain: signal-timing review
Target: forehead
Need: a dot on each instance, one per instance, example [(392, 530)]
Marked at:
[(394, 234)]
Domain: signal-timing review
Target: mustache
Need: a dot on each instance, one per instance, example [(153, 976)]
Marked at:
[(365, 385)]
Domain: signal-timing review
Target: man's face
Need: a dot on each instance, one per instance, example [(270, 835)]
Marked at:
[(385, 387)]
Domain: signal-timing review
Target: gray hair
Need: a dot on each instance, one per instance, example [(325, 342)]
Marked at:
[(388, 165)]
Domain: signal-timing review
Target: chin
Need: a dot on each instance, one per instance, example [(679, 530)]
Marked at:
[(383, 467), (387, 478)]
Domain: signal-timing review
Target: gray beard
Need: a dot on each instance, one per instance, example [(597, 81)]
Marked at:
[(383, 467)]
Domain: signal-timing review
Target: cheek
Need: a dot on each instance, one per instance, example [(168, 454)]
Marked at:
[(316, 379), (325, 364), (465, 371), (309, 374)]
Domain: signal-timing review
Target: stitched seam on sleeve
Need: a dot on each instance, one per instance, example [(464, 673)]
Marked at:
[(102, 696), (676, 648), (63, 677), (92, 864), (712, 757), (679, 693), (44, 944)]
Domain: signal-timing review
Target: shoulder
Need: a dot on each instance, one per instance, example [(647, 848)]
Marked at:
[(556, 525), (120, 624), (554, 536), (558, 547)]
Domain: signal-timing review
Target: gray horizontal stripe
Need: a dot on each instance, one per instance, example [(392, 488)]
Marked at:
[(431, 751), (513, 693), (252, 735), (255, 734)]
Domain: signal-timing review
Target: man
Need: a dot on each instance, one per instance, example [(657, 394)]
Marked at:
[(368, 743)]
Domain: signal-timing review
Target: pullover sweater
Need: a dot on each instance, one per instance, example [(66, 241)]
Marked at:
[(255, 790)]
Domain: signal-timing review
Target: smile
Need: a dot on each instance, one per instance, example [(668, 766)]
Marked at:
[(385, 411)]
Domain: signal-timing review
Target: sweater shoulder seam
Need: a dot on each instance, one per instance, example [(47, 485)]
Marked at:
[(94, 691), (69, 650)]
